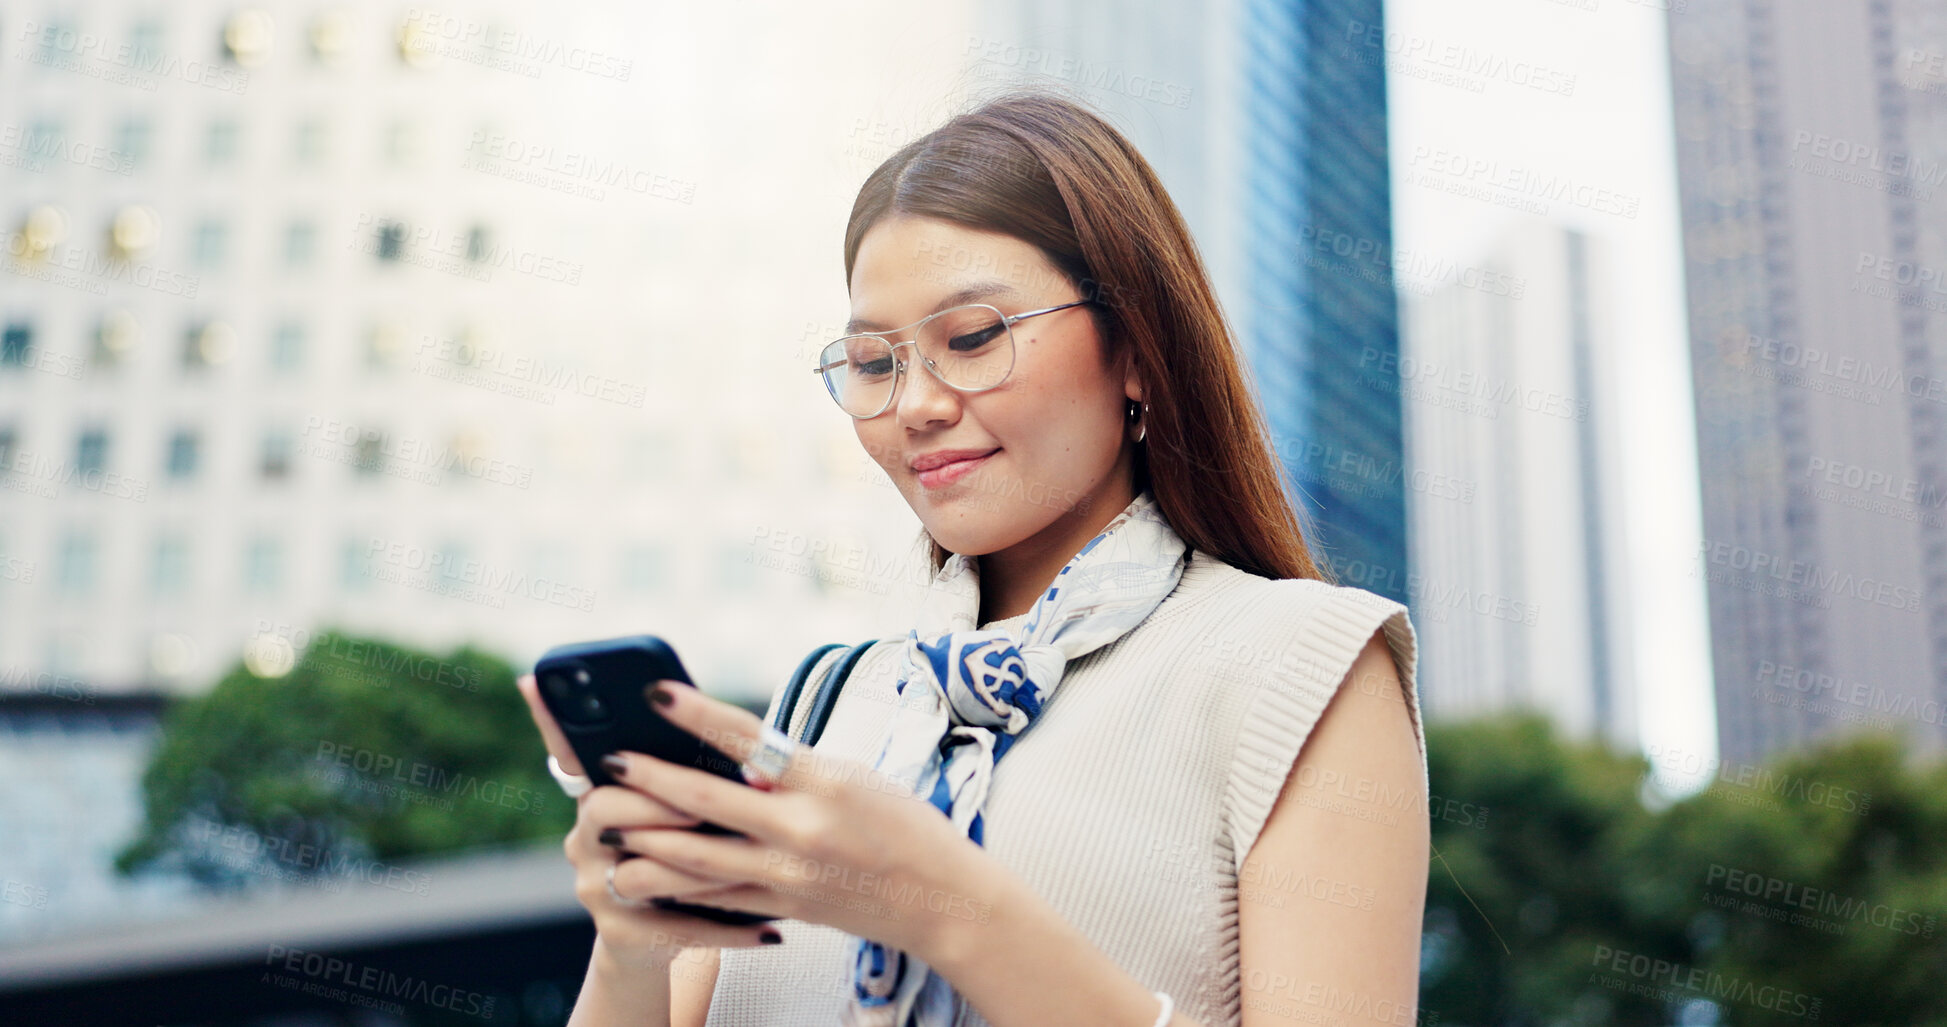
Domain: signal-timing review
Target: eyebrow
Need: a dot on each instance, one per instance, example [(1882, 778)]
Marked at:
[(976, 291)]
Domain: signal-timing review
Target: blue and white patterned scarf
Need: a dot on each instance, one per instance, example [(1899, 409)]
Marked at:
[(966, 696)]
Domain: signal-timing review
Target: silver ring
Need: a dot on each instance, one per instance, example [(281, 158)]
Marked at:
[(574, 784), (617, 896), (771, 758)]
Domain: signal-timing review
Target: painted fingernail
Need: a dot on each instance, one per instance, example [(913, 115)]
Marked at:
[(771, 938), (609, 836), (660, 696), (615, 764)]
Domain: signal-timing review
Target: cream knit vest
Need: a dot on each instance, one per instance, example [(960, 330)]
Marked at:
[(1131, 803)]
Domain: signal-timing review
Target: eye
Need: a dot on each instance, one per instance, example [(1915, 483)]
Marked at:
[(967, 342)]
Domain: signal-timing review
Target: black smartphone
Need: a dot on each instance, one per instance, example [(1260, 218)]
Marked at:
[(597, 692)]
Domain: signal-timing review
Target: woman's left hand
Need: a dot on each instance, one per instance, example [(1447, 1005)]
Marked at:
[(832, 842)]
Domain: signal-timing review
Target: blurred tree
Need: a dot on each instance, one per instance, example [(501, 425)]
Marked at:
[(362, 754), (1822, 875), (1806, 890)]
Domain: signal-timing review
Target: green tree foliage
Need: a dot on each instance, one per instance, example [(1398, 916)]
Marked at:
[(1806, 890), (363, 752)]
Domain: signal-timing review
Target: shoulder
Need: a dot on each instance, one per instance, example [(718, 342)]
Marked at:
[(1285, 650), (1290, 629)]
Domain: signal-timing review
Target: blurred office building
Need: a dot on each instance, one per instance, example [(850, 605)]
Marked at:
[(366, 315), (1511, 410), (1266, 120), (1812, 160)]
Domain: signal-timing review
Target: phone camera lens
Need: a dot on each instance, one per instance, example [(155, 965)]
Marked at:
[(591, 706)]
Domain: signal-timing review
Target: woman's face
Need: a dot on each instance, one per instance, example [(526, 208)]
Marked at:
[(1054, 427)]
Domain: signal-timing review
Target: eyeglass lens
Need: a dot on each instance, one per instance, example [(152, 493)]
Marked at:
[(970, 348)]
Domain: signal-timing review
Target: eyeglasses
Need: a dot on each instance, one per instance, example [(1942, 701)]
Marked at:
[(970, 348)]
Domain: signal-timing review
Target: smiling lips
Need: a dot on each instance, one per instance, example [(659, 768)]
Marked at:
[(943, 468)]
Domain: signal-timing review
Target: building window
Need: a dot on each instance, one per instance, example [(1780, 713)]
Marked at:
[(287, 346), (74, 563), (16, 344), (478, 240), (368, 456), (220, 147), (115, 337), (183, 453), (392, 241), (145, 43), (132, 140), (275, 464), (354, 570), (210, 240), (43, 138), (310, 142), (91, 452), (263, 565), (208, 344), (300, 243), (9, 444), (169, 571)]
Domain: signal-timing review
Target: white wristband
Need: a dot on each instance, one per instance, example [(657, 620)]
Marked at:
[(1169, 1009)]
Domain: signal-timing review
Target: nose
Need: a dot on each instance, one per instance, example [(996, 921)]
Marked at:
[(922, 397)]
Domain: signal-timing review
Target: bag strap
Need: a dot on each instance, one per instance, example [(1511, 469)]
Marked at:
[(788, 704), (826, 697)]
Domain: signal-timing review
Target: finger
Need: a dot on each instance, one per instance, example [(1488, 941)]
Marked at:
[(645, 879), (698, 793), (654, 877), (557, 742), (729, 728), (613, 807)]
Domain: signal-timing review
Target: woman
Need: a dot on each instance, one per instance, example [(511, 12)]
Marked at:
[(1218, 816)]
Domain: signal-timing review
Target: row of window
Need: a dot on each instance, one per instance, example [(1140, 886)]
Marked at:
[(204, 344), (131, 146), (170, 571), (247, 38), (45, 227), (182, 458)]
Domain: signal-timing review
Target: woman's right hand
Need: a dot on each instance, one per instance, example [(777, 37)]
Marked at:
[(644, 936)]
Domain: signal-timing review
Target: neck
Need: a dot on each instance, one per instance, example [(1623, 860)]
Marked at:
[(1012, 579)]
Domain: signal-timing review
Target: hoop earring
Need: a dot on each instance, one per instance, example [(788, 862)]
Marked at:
[(1139, 416)]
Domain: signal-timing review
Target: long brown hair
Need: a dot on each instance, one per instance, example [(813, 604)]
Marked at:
[(1048, 171)]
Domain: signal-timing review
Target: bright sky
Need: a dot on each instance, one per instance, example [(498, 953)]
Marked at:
[(1580, 89)]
